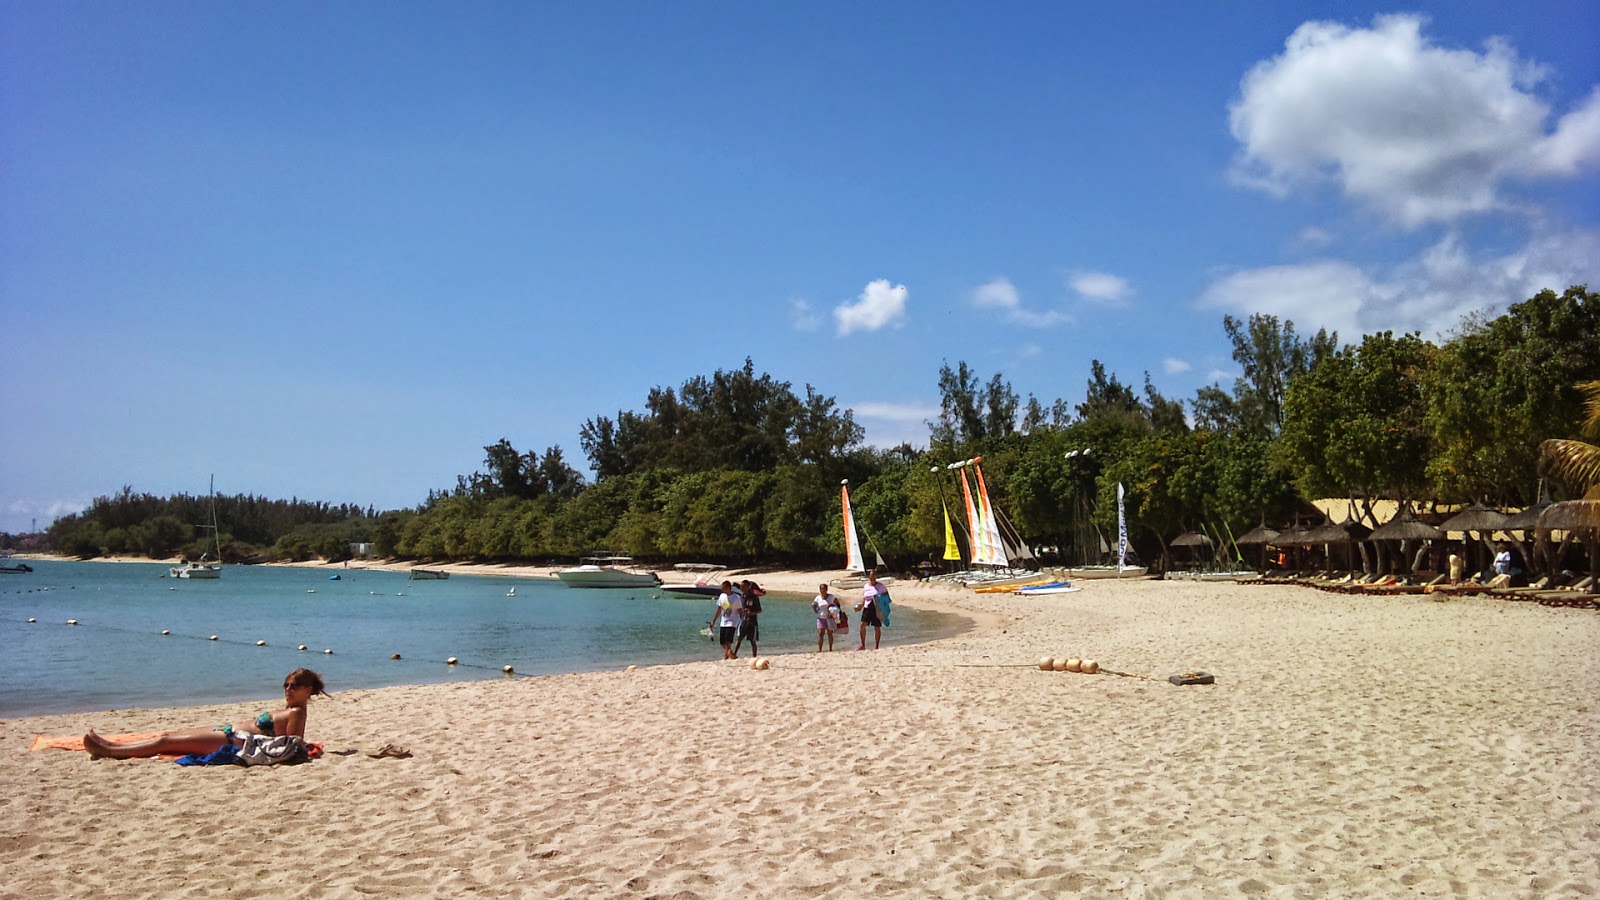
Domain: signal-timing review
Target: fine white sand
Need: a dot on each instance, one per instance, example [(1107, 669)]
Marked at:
[(1352, 747)]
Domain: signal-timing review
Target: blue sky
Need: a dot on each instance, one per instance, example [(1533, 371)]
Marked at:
[(333, 250)]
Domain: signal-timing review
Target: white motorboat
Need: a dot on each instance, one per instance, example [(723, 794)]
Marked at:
[(705, 583), (201, 568), (607, 572)]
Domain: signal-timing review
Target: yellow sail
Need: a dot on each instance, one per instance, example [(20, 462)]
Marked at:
[(952, 550)]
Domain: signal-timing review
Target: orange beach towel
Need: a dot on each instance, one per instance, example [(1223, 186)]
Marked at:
[(75, 741)]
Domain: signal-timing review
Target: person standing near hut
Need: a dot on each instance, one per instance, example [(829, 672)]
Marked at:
[(1457, 568)]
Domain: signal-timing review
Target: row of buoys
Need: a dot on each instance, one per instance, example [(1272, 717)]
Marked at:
[(451, 661), (1085, 666)]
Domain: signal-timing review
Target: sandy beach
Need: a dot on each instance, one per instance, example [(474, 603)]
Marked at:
[(1351, 747)]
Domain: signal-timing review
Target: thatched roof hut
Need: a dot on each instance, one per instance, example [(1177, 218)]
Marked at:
[(1260, 534), (1191, 539), (1334, 533), (1406, 527), (1572, 515), (1527, 520), (1475, 518)]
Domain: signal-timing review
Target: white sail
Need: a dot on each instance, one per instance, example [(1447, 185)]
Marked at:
[(853, 560), (1122, 532)]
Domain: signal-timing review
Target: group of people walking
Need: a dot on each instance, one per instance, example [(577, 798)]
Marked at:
[(738, 610), (831, 617), (737, 617)]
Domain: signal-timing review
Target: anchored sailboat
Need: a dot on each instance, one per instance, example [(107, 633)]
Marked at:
[(201, 568)]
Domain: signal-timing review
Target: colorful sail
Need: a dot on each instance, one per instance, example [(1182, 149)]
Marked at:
[(993, 547), (1122, 532), (853, 560), (972, 518), (952, 550)]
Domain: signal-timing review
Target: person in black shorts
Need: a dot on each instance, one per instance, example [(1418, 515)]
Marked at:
[(749, 628), (868, 605)]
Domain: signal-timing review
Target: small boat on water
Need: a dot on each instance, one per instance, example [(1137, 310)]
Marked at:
[(429, 575), (705, 583), (15, 568), (201, 568), (607, 572)]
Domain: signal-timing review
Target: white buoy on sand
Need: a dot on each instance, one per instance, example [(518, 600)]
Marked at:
[(1074, 664), (1060, 665), (1046, 664), (1090, 667)]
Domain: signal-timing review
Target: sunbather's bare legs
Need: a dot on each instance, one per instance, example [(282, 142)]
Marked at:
[(180, 743)]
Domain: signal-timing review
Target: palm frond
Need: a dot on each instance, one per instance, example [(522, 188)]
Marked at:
[(1575, 462), (1591, 408)]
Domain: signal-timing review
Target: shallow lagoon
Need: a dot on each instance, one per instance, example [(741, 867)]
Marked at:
[(117, 657)]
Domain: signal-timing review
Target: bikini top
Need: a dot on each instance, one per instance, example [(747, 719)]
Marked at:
[(265, 725)]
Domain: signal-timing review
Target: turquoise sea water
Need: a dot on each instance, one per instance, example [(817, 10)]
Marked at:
[(116, 657)]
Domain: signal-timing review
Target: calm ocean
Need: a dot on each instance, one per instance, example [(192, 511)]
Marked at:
[(117, 657)]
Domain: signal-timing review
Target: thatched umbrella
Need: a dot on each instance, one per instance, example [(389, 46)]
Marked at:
[(1479, 521), (1406, 527), (1331, 533), (1260, 534), (1527, 522), (1579, 518), (1192, 539)]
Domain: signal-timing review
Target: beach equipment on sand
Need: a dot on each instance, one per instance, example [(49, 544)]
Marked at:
[(1193, 678), (1059, 665), (1074, 665), (1089, 667), (1046, 664)]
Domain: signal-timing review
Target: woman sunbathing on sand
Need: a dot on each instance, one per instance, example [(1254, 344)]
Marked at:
[(298, 688)]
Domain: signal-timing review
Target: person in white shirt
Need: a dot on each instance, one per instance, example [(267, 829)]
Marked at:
[(826, 606), (727, 618), (868, 605)]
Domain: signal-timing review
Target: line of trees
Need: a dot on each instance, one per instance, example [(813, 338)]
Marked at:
[(738, 467)]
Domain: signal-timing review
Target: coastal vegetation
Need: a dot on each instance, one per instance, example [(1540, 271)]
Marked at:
[(739, 467)]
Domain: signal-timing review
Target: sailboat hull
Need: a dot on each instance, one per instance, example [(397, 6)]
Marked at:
[(197, 570), (1088, 572)]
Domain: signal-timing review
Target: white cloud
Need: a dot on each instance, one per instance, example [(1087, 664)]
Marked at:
[(1174, 366), (998, 294), (1418, 132), (1429, 294), (1001, 294), (1217, 376), (879, 306), (1100, 286), (1312, 238), (892, 424), (895, 412), (19, 514), (802, 317)]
